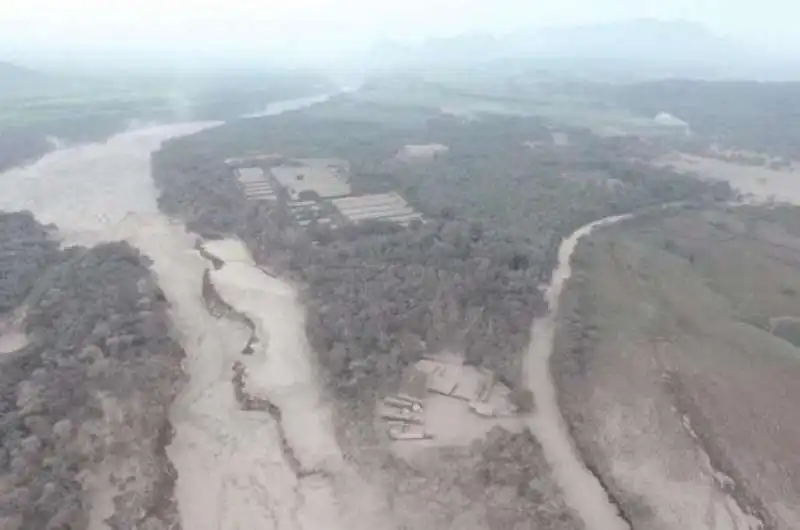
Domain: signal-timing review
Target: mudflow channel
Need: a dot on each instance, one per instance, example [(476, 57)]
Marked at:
[(254, 446), (237, 469), (582, 490)]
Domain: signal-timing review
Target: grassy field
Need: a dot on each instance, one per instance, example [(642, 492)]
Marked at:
[(672, 371)]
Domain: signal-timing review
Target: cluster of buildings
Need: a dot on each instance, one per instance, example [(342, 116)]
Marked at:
[(377, 206), (406, 412), (317, 192)]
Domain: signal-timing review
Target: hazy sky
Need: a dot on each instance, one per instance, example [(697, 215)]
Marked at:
[(312, 27)]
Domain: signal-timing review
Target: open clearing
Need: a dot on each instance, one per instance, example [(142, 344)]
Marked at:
[(421, 152), (325, 177), (761, 183)]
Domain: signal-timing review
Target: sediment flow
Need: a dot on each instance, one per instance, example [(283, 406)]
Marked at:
[(256, 467), (582, 490), (233, 472)]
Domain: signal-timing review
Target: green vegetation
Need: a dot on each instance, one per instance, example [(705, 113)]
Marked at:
[(749, 115), (499, 482), (379, 296), (90, 392), (26, 250), (86, 109)]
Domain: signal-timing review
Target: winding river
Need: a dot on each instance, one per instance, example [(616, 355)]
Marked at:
[(234, 472), (582, 491)]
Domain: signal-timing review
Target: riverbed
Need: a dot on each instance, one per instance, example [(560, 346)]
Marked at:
[(232, 469), (582, 490), (254, 469), (280, 371)]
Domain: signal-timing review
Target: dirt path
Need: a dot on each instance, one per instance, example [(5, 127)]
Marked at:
[(582, 491), (233, 473)]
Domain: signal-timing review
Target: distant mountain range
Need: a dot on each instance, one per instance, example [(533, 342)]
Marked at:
[(670, 48), (11, 74), (10, 69)]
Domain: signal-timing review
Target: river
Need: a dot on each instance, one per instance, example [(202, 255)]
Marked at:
[(233, 469), (582, 490)]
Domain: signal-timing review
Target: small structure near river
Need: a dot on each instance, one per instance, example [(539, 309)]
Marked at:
[(439, 390)]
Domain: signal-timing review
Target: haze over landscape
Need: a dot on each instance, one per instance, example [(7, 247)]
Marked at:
[(316, 32), (341, 265)]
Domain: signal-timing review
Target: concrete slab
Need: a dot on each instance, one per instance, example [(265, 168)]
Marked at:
[(408, 431), (471, 384), (421, 152), (398, 414), (414, 384), (426, 366), (323, 180), (382, 213), (444, 379), (382, 206), (250, 174)]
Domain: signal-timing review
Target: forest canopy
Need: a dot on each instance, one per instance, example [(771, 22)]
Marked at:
[(90, 389), (497, 205)]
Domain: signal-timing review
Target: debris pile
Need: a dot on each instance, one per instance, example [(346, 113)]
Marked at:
[(405, 410)]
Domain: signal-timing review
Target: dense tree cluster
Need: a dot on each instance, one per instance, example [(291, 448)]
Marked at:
[(18, 146), (382, 297), (501, 481), (226, 97), (90, 392), (748, 115), (23, 144), (26, 249), (379, 295)]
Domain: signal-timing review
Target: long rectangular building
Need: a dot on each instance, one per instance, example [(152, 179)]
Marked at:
[(380, 206)]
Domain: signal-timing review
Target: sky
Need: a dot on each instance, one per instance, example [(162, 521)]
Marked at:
[(298, 29)]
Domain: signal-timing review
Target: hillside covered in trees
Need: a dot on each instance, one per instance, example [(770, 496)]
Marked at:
[(51, 108), (378, 295), (83, 406), (747, 115)]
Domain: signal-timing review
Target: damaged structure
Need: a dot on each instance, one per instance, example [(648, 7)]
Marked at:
[(405, 410)]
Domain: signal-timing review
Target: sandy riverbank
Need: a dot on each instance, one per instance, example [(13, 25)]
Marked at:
[(232, 473)]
